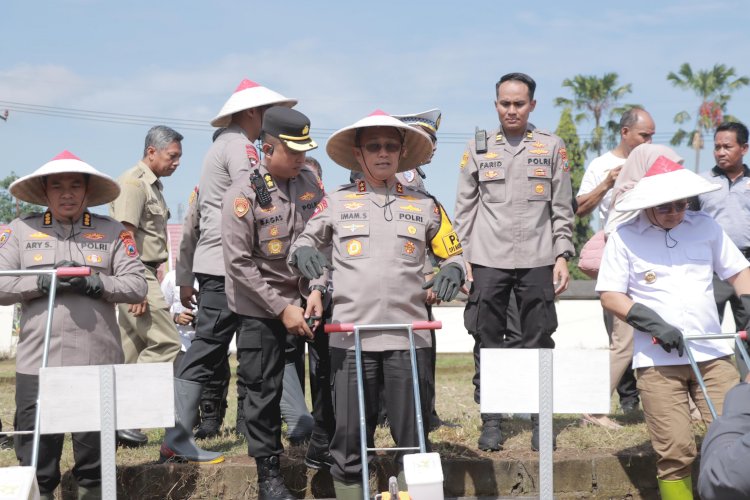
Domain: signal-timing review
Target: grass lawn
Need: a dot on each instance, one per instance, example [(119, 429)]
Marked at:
[(455, 405)]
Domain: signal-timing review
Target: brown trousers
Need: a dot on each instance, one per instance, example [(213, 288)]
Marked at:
[(665, 391)]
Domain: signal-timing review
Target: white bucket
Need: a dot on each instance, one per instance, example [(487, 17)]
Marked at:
[(424, 476)]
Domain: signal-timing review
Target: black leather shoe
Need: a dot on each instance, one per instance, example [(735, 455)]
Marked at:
[(318, 455), (535, 434), (131, 438), (270, 481), (491, 439)]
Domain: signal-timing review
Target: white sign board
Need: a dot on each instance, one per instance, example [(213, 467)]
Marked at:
[(510, 381), (18, 483), (70, 397)]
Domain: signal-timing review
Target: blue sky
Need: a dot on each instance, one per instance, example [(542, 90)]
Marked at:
[(175, 63)]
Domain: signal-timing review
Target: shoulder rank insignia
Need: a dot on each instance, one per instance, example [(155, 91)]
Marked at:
[(499, 137), (129, 243), (252, 155), (4, 236), (321, 206), (464, 160), (361, 186), (529, 134), (399, 188), (47, 222), (241, 206), (86, 219), (269, 181)]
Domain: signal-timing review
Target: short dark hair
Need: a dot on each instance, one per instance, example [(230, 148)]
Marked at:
[(518, 77), (309, 160), (630, 117), (739, 129)]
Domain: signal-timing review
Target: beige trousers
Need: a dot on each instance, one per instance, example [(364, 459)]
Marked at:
[(151, 337), (665, 391)]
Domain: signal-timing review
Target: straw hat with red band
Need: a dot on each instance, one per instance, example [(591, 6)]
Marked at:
[(417, 144), (101, 188), (665, 181), (249, 95)]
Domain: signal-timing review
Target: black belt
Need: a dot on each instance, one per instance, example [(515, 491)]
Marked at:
[(153, 265)]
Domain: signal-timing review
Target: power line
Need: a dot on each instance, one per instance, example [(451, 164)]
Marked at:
[(202, 126)]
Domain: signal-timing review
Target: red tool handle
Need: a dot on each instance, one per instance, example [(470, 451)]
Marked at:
[(742, 334), (68, 272), (349, 327)]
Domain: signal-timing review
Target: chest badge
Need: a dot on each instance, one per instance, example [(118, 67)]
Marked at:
[(491, 156), (354, 205), (650, 277), (490, 174), (274, 247), (274, 231), (94, 259), (410, 208), (412, 230), (354, 247), (409, 247), (38, 257), (307, 196), (353, 227), (539, 189)]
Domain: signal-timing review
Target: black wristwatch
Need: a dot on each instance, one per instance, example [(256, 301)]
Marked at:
[(319, 288), (567, 255)]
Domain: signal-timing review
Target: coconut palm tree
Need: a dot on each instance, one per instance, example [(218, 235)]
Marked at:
[(714, 87), (596, 97)]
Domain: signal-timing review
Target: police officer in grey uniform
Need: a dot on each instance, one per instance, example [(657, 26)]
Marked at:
[(229, 159), (84, 328), (261, 217), (515, 220), (379, 232)]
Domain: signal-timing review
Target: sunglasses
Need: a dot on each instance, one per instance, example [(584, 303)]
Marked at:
[(676, 206), (375, 147)]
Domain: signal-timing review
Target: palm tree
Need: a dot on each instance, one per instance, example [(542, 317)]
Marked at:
[(597, 98), (713, 87)]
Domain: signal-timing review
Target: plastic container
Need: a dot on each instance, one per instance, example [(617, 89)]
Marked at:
[(424, 476)]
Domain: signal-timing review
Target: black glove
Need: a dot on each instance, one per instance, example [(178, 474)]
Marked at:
[(647, 320), (447, 282), (44, 281), (91, 285), (310, 262)]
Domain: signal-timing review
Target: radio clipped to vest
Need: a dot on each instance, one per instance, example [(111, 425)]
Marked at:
[(480, 138), (260, 188)]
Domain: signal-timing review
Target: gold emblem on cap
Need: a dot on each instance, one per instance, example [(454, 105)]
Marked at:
[(305, 130), (650, 277)]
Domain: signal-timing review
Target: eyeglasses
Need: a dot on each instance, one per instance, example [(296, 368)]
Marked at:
[(375, 147), (676, 206)]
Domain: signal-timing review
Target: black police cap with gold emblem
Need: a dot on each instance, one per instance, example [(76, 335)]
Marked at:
[(289, 126)]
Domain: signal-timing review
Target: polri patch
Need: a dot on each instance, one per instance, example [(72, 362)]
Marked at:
[(4, 236), (129, 243), (241, 206)]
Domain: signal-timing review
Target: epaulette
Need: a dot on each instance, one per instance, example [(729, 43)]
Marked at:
[(542, 131), (31, 216), (344, 187)]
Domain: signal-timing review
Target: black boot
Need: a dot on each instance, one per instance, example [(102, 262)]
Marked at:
[(535, 434), (131, 438), (212, 415), (491, 438), (270, 481), (318, 455)]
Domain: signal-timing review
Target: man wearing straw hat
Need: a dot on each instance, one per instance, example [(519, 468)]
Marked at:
[(229, 159), (379, 231), (261, 217), (84, 329), (656, 274)]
